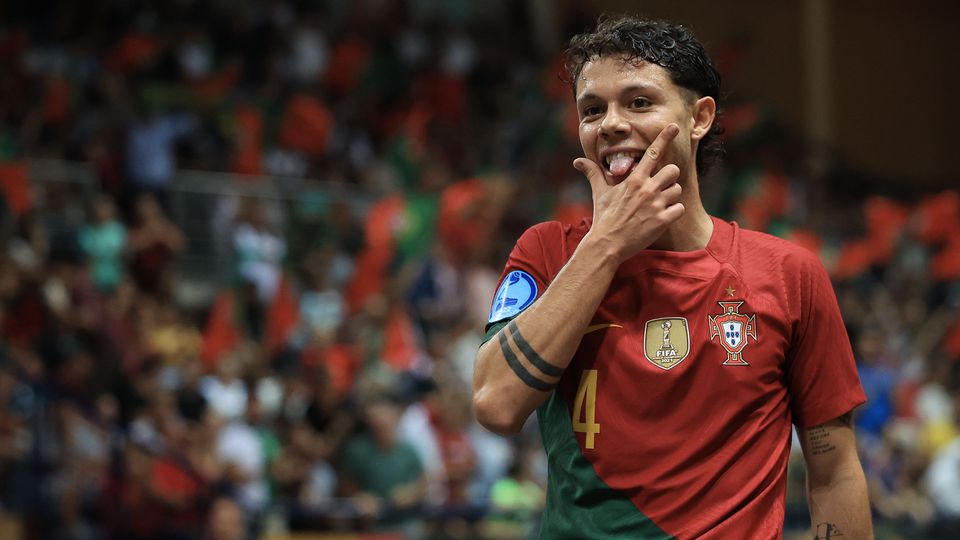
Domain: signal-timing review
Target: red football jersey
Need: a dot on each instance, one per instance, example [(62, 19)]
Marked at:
[(681, 395)]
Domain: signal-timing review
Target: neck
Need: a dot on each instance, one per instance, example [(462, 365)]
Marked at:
[(694, 228)]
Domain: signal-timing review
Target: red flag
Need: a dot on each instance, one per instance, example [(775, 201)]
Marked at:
[(343, 363), (56, 102), (383, 221), (445, 95), (462, 221), (769, 200), (884, 217), (347, 63), (214, 88), (938, 217), (221, 334), (248, 138), (133, 51), (306, 125), (952, 341), (13, 183), (400, 344), (739, 120), (554, 78), (885, 220), (854, 259), (945, 265)]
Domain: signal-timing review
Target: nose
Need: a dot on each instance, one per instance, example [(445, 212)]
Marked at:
[(613, 122)]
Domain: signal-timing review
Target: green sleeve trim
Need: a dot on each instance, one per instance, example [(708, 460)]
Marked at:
[(493, 328)]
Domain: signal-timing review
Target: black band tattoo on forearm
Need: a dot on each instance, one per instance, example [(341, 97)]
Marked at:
[(531, 355), (518, 369)]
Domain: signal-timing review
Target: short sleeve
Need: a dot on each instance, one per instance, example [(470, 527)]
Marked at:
[(821, 372), (525, 275)]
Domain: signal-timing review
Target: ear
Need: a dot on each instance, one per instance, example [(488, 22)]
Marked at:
[(704, 112)]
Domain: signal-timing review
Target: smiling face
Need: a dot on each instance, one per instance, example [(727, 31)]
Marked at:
[(624, 105)]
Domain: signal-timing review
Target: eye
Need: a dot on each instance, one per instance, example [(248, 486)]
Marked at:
[(591, 110), (640, 102)]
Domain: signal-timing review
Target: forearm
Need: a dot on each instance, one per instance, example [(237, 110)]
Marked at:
[(836, 486), (841, 506), (409, 494), (516, 369)]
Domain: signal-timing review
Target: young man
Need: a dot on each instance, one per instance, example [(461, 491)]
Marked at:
[(667, 352)]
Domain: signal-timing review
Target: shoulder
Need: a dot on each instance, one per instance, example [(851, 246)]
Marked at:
[(554, 234), (796, 273), (548, 230), (782, 253)]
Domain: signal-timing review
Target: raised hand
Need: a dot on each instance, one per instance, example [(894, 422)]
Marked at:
[(631, 215)]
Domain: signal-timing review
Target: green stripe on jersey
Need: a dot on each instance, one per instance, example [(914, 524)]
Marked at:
[(493, 328), (579, 503)]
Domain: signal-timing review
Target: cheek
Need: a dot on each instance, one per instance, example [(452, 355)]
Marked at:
[(588, 137), (682, 151)]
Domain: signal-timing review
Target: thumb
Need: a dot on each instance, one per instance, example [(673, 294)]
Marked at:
[(594, 174)]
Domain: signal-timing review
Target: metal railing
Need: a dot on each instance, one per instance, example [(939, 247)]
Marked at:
[(204, 204)]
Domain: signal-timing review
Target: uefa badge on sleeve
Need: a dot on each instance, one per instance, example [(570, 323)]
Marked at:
[(517, 291)]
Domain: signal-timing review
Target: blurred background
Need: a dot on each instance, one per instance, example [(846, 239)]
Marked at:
[(249, 248)]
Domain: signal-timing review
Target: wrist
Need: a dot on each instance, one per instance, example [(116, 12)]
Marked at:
[(601, 249)]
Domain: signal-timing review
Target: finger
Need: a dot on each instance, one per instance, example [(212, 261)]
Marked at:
[(594, 174), (672, 194), (665, 177), (672, 213), (656, 150)]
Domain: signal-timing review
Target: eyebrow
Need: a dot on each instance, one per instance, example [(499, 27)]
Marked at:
[(627, 90)]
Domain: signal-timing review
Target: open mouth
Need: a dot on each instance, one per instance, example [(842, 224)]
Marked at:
[(620, 164)]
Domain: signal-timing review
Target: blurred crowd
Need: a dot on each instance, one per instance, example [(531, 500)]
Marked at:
[(325, 386)]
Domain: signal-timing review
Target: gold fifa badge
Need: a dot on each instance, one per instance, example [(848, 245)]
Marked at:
[(733, 328), (666, 341)]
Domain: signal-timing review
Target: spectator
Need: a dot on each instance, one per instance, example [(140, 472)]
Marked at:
[(226, 393), (154, 244), (103, 241), (151, 149), (322, 307), (943, 487), (225, 521), (239, 449), (456, 139), (383, 475), (258, 250)]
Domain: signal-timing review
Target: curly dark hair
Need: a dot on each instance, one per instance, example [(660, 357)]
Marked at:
[(672, 47)]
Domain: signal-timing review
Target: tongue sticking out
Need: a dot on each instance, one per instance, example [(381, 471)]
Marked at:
[(621, 166)]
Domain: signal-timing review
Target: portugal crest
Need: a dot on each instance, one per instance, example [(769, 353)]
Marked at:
[(733, 328)]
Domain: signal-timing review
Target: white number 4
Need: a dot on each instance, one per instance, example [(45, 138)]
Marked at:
[(586, 393)]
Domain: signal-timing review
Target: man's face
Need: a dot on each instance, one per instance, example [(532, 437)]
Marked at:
[(623, 106)]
